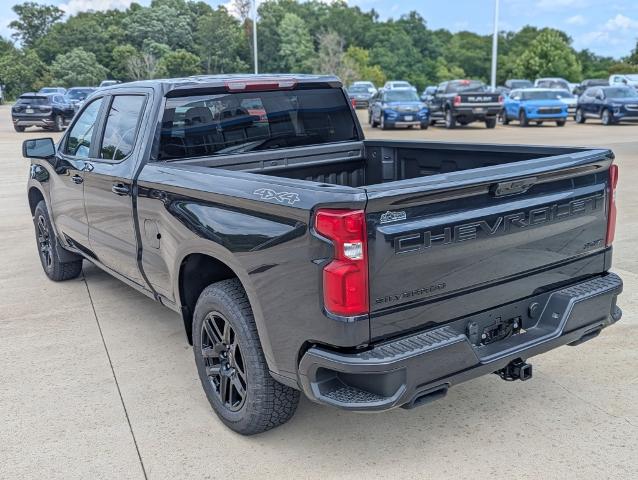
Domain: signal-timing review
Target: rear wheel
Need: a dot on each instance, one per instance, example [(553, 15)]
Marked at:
[(490, 122), (606, 117), (383, 124), (231, 363), (522, 118), (580, 116), (450, 121), (53, 266)]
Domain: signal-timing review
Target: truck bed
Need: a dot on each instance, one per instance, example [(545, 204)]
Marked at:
[(361, 164)]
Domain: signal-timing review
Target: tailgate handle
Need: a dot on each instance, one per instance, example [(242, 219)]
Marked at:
[(513, 187)]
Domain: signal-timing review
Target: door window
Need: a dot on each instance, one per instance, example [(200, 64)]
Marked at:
[(78, 143), (121, 126)]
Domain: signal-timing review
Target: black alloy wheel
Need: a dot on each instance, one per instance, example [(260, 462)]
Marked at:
[(44, 242), (224, 361)]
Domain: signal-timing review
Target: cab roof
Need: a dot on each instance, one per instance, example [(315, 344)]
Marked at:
[(184, 85)]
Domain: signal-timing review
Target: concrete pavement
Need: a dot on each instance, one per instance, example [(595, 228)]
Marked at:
[(97, 381)]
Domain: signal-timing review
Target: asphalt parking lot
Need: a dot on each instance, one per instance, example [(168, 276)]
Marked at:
[(97, 381)]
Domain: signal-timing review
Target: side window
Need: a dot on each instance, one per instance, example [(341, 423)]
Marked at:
[(121, 126), (78, 142)]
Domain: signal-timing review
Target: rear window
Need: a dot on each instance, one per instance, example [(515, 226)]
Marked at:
[(228, 123), (466, 86), (31, 100)]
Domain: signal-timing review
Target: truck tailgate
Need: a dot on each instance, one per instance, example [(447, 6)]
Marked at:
[(449, 245)]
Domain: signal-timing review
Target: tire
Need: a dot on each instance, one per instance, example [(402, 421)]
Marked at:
[(373, 124), (58, 126), (48, 248), (425, 125), (490, 122), (450, 121), (606, 117), (539, 123), (18, 129), (506, 119), (579, 117), (229, 359), (522, 118), (383, 124), (560, 123)]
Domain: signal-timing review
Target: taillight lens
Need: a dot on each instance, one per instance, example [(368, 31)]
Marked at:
[(611, 211), (345, 278), (457, 100), (353, 102), (501, 99)]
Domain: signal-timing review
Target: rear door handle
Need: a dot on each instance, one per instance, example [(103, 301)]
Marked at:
[(120, 189), (77, 179)]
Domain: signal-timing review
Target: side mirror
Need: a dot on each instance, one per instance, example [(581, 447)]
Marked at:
[(42, 148)]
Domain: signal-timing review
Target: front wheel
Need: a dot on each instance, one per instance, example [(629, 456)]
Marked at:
[(580, 116), (18, 128), (606, 117), (48, 248), (425, 125), (384, 126), (560, 123), (505, 118), (58, 124), (490, 122), (231, 363), (522, 118)]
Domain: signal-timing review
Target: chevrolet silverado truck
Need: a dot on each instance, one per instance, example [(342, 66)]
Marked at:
[(463, 102), (367, 274)]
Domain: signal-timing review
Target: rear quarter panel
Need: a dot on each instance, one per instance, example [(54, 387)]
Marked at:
[(259, 226)]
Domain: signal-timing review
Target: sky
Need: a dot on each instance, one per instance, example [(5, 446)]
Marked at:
[(606, 27)]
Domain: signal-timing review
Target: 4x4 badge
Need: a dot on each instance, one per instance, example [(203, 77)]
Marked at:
[(281, 197), (389, 216)]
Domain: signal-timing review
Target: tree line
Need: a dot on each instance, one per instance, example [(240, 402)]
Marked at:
[(181, 37)]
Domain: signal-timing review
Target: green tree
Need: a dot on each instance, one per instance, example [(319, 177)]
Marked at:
[(23, 71), (296, 49), (77, 68), (359, 58), (633, 57), (331, 59), (34, 21), (180, 63), (221, 57), (161, 24), (549, 55)]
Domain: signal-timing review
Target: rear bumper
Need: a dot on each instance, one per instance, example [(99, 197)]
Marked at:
[(33, 121), (403, 372)]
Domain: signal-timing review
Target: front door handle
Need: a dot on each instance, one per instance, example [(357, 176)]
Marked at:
[(77, 179), (120, 189)]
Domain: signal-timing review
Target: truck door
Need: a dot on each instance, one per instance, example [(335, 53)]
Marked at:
[(67, 192), (108, 187)]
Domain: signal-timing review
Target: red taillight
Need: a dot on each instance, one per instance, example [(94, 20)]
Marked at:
[(457, 100), (345, 278), (611, 211), (501, 99), (353, 102)]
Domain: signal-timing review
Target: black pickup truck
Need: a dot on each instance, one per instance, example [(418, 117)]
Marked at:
[(463, 102), (368, 274)]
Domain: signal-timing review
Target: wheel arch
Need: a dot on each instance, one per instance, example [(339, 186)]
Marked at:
[(35, 196)]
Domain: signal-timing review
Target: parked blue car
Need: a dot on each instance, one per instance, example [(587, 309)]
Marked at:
[(609, 104), (534, 105), (398, 107)]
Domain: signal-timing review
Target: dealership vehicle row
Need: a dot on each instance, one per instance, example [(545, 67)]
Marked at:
[(461, 102)]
